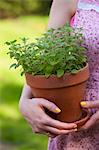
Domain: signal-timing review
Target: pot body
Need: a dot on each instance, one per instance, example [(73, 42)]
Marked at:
[(66, 92)]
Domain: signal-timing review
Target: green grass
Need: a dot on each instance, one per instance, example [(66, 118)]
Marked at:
[(16, 133)]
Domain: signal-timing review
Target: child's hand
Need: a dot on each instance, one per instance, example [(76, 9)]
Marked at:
[(95, 117), (40, 122)]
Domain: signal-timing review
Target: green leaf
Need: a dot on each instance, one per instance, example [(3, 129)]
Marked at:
[(53, 62), (71, 58), (60, 73), (13, 65), (74, 71), (47, 75), (7, 43), (22, 73), (13, 41), (84, 59), (48, 68), (24, 39), (17, 65), (48, 71)]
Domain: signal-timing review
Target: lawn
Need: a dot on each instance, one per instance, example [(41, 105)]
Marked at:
[(15, 132)]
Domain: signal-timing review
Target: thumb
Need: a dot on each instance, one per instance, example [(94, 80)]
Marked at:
[(49, 105), (90, 104)]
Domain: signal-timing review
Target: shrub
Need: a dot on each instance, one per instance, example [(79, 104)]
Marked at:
[(56, 52)]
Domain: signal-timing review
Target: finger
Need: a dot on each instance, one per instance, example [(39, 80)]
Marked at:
[(40, 131), (36, 131), (93, 120), (29, 120), (58, 124), (30, 124), (90, 104), (49, 105), (56, 131)]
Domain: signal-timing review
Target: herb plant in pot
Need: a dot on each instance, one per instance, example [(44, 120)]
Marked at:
[(56, 68)]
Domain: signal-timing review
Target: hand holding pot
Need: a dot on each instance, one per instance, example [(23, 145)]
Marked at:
[(94, 119), (40, 122)]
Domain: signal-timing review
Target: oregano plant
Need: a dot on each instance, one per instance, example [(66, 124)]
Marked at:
[(55, 52)]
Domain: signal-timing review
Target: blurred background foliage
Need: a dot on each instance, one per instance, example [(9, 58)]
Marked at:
[(15, 8), (19, 18)]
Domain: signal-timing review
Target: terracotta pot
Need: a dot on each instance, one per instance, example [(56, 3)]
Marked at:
[(66, 92)]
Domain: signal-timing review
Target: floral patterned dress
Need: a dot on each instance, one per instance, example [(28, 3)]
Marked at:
[(87, 16)]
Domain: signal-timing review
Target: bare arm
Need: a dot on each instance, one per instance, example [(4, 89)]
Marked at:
[(26, 93), (61, 12)]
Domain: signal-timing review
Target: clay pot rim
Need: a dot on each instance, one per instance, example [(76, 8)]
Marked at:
[(54, 76), (68, 79)]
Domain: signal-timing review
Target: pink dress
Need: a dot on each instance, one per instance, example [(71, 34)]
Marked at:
[(87, 16)]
